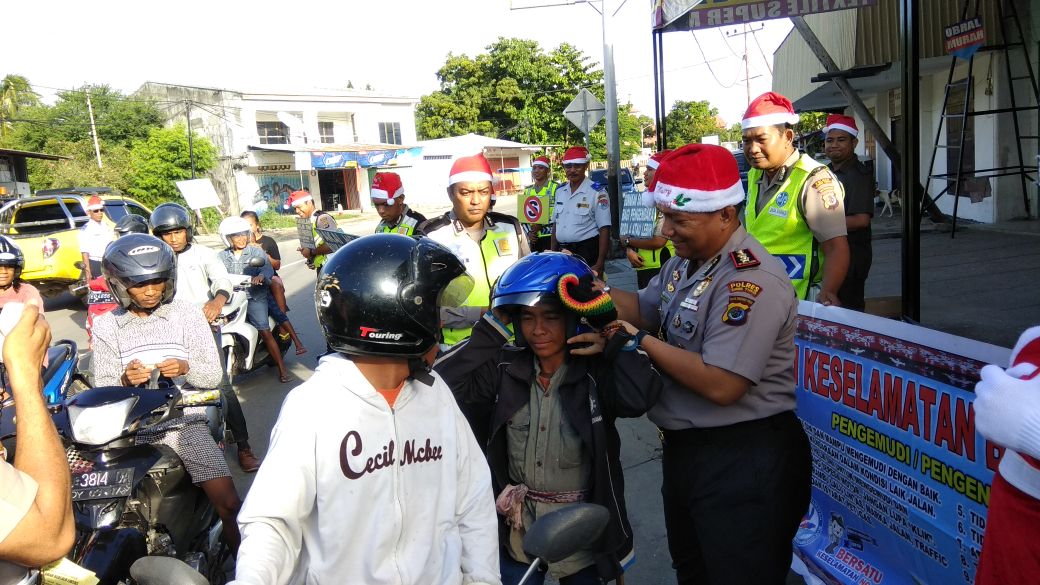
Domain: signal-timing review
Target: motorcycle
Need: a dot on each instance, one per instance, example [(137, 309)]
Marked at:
[(240, 342), (552, 538), (61, 378), (133, 500)]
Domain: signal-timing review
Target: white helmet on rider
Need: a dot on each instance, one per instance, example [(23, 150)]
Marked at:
[(233, 226)]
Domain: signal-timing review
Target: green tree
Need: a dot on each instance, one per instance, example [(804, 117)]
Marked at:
[(81, 170), (732, 134), (515, 91), (630, 135), (15, 94), (688, 122), (161, 159)]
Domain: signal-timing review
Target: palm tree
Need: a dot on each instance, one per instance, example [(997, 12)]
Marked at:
[(15, 93)]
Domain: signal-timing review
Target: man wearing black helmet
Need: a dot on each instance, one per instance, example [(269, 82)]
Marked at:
[(154, 330), (203, 281), (372, 475)]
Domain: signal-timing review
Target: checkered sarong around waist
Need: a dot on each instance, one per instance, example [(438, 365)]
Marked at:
[(510, 501)]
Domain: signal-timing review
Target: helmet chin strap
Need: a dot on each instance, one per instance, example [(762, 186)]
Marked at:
[(419, 369)]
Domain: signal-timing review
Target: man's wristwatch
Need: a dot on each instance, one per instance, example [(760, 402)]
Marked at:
[(626, 242)]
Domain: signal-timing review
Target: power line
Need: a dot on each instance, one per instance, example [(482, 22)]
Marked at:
[(705, 57), (763, 53)]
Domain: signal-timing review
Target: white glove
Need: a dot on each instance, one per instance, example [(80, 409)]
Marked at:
[(1007, 408), (9, 317)]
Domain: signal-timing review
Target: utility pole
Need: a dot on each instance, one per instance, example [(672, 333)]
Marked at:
[(191, 146), (746, 57), (93, 129)]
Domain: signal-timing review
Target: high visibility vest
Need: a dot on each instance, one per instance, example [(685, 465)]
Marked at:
[(652, 258), (405, 226), (319, 259), (547, 197), (782, 228), (485, 262)]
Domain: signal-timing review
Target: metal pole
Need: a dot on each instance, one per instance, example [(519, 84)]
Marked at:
[(662, 129), (191, 146), (747, 68), (93, 129), (613, 141), (909, 34), (654, 36)]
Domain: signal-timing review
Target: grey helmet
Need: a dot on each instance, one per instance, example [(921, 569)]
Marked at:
[(131, 223), (171, 216), (137, 258), (11, 255)]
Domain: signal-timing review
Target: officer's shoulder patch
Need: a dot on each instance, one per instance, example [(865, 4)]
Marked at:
[(743, 258), (325, 221), (737, 310), (602, 200), (744, 287)]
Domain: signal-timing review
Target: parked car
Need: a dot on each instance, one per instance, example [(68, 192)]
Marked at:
[(628, 185), (45, 228)]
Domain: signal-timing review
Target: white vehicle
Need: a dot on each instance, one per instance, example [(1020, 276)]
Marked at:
[(240, 342)]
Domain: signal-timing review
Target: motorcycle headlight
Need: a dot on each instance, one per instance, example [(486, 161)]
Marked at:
[(97, 425)]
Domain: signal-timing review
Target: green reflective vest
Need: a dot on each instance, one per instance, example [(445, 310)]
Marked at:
[(406, 226), (782, 229)]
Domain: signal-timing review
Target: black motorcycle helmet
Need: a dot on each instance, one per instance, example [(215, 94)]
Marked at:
[(380, 294), (171, 216), (136, 258), (131, 223), (11, 255)]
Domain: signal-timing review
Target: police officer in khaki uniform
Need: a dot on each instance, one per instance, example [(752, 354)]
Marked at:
[(581, 215), (395, 217), (736, 462), (795, 205)]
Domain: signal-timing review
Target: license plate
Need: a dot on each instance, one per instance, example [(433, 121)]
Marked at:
[(103, 483)]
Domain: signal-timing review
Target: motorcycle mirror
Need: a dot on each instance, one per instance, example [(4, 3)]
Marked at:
[(257, 262), (165, 571), (557, 535)]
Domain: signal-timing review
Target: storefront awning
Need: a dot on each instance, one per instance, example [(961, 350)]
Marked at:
[(828, 97)]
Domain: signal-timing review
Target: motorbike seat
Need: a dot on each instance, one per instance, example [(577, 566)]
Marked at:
[(57, 355)]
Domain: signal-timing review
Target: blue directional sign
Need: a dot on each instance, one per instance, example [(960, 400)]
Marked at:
[(794, 264)]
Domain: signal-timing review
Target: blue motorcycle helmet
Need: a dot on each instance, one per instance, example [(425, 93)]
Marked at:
[(556, 277)]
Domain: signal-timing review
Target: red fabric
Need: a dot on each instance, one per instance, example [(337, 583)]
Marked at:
[(1010, 549), (94, 310)]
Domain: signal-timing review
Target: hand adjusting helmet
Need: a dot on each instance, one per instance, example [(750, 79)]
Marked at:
[(233, 226), (556, 277), (380, 295), (137, 258), (11, 255), (169, 217)]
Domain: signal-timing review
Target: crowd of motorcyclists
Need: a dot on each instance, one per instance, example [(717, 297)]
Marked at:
[(470, 387)]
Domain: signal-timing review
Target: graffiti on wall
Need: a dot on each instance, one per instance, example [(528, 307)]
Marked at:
[(273, 191)]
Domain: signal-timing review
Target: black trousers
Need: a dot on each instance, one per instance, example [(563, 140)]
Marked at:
[(851, 293), (588, 249), (234, 418), (733, 499)]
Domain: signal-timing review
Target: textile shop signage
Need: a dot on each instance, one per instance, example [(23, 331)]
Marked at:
[(901, 481), (675, 15), (637, 220), (364, 158)]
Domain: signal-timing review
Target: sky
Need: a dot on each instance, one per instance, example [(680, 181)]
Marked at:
[(394, 45)]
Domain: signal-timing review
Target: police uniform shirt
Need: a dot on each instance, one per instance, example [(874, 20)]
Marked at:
[(821, 200), (579, 215), (738, 311), (94, 237)]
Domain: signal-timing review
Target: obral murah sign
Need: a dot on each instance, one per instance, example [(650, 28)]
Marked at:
[(675, 15)]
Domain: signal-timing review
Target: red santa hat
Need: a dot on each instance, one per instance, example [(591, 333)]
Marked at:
[(655, 159), (576, 155), (470, 169), (298, 198), (698, 178), (841, 122), (387, 186), (769, 109), (1025, 357), (95, 203), (540, 161)]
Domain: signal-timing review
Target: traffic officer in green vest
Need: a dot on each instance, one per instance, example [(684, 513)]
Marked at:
[(485, 241), (795, 205), (581, 215), (388, 199), (647, 255), (535, 208), (303, 203)]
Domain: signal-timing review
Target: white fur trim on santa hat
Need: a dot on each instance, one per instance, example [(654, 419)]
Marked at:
[(469, 177), (575, 161), (540, 163), (383, 194), (648, 199), (301, 200), (773, 119), (696, 200), (1027, 337), (837, 126), (652, 164)]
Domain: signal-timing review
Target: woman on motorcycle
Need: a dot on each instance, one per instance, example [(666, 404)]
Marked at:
[(12, 287), (276, 301), (236, 257), (152, 330)]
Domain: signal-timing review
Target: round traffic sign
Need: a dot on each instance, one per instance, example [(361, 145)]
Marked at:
[(532, 209)]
